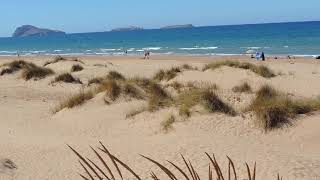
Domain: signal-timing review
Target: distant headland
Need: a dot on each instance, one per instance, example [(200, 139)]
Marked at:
[(130, 28), (29, 30), (178, 26)]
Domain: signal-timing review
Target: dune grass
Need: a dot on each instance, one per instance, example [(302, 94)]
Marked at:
[(135, 111), (204, 97), (36, 73), (96, 80), (61, 58), (166, 125), (274, 109), (75, 100), (261, 70), (242, 88), (167, 74), (15, 66), (114, 75), (67, 78), (30, 70), (112, 90), (112, 169), (76, 68)]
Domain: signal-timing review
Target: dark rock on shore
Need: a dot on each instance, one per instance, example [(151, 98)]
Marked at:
[(28, 30)]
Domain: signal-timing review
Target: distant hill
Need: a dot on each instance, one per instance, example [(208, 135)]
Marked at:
[(130, 28), (28, 30), (178, 26)]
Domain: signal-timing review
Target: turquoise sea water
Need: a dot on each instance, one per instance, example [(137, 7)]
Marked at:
[(300, 38)]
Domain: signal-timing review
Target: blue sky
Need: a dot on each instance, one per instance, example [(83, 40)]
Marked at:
[(101, 15)]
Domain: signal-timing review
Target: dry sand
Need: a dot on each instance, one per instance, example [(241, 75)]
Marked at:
[(35, 139)]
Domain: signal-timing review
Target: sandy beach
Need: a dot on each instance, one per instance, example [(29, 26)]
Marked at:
[(35, 138)]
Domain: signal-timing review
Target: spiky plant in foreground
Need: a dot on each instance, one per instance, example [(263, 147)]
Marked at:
[(94, 171)]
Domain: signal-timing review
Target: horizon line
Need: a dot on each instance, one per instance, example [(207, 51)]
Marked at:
[(194, 26)]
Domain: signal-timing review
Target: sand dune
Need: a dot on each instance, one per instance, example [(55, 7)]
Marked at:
[(35, 138)]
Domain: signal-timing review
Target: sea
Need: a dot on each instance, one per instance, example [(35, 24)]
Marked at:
[(295, 38)]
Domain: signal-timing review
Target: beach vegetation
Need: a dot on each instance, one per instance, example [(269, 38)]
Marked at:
[(114, 75), (167, 123), (242, 88), (35, 72), (61, 58), (114, 165), (67, 78), (75, 100), (274, 109), (76, 68), (167, 74), (261, 70)]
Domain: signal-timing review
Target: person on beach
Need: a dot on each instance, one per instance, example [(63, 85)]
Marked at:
[(146, 54), (258, 56), (263, 56)]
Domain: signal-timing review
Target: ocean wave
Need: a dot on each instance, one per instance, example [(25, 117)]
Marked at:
[(104, 50), (152, 48), (254, 47), (8, 52), (131, 49), (198, 48)]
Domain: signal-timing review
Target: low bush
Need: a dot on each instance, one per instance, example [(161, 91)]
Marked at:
[(75, 100), (244, 87), (260, 70), (67, 78), (274, 109), (76, 68), (36, 73)]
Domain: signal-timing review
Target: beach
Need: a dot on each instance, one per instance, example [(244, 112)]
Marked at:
[(34, 135)]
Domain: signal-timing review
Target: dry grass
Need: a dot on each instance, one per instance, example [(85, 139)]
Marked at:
[(176, 85), (168, 74), (158, 97), (167, 123), (15, 66), (75, 100), (36, 73), (133, 91), (114, 75), (67, 78), (30, 70), (260, 70), (61, 58), (6, 71), (112, 90), (76, 68), (244, 87), (96, 80), (111, 169), (204, 97), (133, 112), (274, 109)]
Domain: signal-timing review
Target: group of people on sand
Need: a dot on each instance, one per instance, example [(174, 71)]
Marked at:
[(259, 56)]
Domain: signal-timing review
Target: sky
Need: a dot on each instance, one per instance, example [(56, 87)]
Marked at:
[(74, 16)]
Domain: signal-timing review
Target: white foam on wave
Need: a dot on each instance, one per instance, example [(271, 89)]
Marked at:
[(198, 48), (58, 50), (131, 49), (254, 47), (152, 48), (8, 52), (104, 50)]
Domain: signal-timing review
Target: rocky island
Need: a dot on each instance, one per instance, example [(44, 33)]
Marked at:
[(29, 30), (178, 26), (130, 28)]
